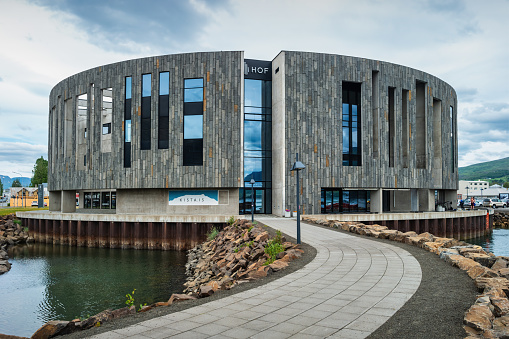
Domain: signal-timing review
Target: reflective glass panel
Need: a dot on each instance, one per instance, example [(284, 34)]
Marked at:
[(146, 85), (193, 126), (128, 88), (252, 169), (253, 93), (346, 140), (259, 197), (252, 135), (190, 83), (164, 83), (127, 131), (193, 94)]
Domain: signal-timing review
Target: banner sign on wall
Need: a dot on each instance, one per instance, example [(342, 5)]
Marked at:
[(193, 198)]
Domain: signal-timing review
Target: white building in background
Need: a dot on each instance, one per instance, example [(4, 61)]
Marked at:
[(478, 189)]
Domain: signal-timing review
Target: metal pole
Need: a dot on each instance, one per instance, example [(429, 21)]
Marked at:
[(298, 203), (252, 203)]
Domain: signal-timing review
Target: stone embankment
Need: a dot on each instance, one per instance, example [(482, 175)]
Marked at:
[(489, 316), (11, 233), (239, 253), (500, 220)]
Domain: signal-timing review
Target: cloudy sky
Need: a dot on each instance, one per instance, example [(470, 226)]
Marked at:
[(465, 43)]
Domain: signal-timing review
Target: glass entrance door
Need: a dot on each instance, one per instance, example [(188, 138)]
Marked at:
[(261, 200)]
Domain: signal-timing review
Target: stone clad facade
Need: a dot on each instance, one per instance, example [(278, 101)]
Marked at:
[(403, 161)]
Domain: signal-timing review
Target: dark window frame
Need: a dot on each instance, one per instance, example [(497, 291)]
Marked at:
[(351, 96)]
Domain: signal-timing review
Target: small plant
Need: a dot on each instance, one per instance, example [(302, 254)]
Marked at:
[(236, 250), (274, 247), (141, 306), (250, 228), (212, 233), (16, 221), (98, 324), (230, 220), (130, 299), (25, 229)]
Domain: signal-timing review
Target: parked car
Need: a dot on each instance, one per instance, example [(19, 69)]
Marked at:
[(493, 202), (35, 203)]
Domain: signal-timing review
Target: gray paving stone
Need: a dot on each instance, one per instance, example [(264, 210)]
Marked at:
[(352, 287)]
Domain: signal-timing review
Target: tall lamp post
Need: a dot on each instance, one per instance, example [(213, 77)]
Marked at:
[(252, 182), (467, 191), (482, 189), (297, 166)]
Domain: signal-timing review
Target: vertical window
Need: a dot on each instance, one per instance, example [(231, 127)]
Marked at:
[(404, 127), (106, 118), (68, 127), (420, 124), (193, 122), (392, 126), (257, 146), (453, 155), (127, 122), (351, 123), (437, 134), (146, 97), (163, 132), (81, 130), (374, 104)]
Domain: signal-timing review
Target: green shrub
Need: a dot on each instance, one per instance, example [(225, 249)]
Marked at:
[(212, 233), (130, 299), (230, 220), (274, 247), (16, 221)]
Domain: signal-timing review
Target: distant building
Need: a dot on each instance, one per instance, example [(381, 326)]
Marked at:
[(471, 188), (184, 134)]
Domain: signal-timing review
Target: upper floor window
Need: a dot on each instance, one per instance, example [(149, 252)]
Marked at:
[(351, 124)]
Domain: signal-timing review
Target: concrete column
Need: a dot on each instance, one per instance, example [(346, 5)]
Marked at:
[(376, 201), (426, 200), (55, 199), (414, 200), (68, 201)]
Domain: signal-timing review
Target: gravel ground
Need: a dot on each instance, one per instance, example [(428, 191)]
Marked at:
[(435, 311)]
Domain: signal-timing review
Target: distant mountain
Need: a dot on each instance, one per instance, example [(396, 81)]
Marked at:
[(490, 169), (7, 181)]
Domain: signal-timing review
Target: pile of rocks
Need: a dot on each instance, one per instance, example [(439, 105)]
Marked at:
[(11, 233), (235, 255), (501, 220), (489, 316)]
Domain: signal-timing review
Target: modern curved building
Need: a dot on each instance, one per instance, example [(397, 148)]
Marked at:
[(185, 134)]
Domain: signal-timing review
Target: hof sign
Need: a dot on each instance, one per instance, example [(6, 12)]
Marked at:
[(257, 69), (193, 198)]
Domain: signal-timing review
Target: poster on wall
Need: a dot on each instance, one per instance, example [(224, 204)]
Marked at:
[(193, 198)]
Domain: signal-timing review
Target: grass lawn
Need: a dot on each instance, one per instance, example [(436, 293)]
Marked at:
[(11, 210)]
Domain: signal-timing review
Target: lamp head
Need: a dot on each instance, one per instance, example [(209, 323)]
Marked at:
[(252, 182), (297, 166)]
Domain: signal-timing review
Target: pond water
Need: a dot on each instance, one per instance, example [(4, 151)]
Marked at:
[(53, 282), (497, 242)]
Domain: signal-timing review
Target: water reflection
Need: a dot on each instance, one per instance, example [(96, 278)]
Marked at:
[(49, 282), (497, 242)]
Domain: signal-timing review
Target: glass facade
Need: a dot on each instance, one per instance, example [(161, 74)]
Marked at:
[(351, 124), (337, 200), (257, 146), (163, 129), (127, 123), (193, 122)]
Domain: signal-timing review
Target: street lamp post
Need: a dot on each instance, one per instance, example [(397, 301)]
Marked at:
[(252, 182), (297, 166), (467, 191), (482, 189)]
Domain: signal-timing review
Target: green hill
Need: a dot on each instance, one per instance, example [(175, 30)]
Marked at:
[(498, 170)]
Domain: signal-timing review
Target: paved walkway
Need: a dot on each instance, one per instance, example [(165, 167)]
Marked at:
[(351, 288)]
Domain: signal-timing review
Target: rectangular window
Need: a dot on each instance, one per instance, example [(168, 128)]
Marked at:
[(107, 128), (193, 122), (106, 118), (88, 200), (453, 155), (68, 145), (96, 200), (375, 106), (146, 97), (351, 124), (420, 124), (337, 200), (127, 122), (437, 135), (163, 129), (105, 200), (81, 130), (404, 127), (392, 126)]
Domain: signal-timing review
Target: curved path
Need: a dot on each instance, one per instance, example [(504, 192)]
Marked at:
[(351, 288)]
